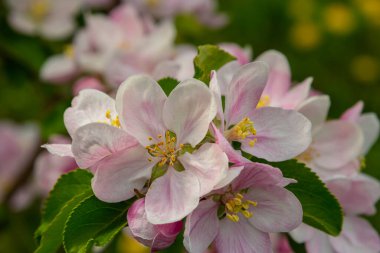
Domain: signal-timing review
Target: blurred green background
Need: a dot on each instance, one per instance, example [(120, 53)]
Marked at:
[(336, 42)]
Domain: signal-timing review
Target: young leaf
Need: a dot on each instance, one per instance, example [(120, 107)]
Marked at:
[(210, 57), (320, 208), (67, 187), (168, 84), (93, 222)]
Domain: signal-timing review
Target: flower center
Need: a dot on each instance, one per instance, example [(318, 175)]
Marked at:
[(264, 101), (165, 149), (242, 130), (238, 204), (39, 10), (112, 121)]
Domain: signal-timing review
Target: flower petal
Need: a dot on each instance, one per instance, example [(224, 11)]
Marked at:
[(353, 113), (171, 197), (89, 106), (139, 102), (369, 124), (58, 69), (319, 243), (357, 194), (241, 237), (302, 233), (59, 149), (95, 141), (209, 163), (201, 227), (281, 134), (244, 91), (232, 173), (278, 210), (279, 78), (336, 143), (215, 89), (315, 109), (296, 95), (189, 110)]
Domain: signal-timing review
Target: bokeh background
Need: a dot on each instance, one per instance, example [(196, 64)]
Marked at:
[(336, 42)]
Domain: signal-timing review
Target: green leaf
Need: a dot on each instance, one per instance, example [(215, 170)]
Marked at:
[(321, 209), (93, 222), (168, 84), (66, 188), (210, 57)]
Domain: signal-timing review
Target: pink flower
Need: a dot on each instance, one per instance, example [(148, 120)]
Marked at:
[(48, 168), (271, 133), (52, 19), (357, 195), (87, 83), (18, 145), (280, 243), (243, 55), (156, 237), (336, 144), (240, 217)]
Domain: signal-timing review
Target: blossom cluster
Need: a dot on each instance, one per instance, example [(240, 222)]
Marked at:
[(187, 156)]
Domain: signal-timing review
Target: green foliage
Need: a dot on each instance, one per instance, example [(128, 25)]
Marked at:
[(168, 84), (73, 216), (320, 208), (93, 222), (210, 57)]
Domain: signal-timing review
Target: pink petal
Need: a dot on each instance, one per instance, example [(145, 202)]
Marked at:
[(336, 143), (353, 113), (224, 75), (58, 69), (281, 134), (315, 109), (278, 210), (257, 174), (302, 233), (279, 78), (89, 106), (189, 111), (172, 197), (319, 243), (59, 149), (232, 174), (241, 237), (244, 91), (357, 194), (369, 124), (201, 227), (357, 236), (156, 237), (95, 141), (209, 163), (243, 55), (88, 82), (234, 156), (215, 89), (140, 102), (297, 95)]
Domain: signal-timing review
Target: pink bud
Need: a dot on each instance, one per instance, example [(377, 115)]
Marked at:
[(87, 83)]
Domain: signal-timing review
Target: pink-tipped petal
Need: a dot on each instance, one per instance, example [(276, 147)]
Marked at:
[(172, 197), (297, 95), (90, 106), (353, 113), (244, 91), (281, 134), (277, 210), (140, 101), (189, 110), (315, 109), (95, 141), (201, 227), (241, 237), (336, 143), (209, 163), (357, 236)]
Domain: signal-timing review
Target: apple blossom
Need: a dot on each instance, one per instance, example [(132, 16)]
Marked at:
[(271, 133), (156, 237), (239, 217)]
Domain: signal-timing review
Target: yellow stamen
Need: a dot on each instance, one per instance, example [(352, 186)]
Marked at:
[(245, 128), (237, 204), (264, 101), (112, 121)]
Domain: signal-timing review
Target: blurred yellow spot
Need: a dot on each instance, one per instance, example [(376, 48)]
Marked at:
[(152, 3), (305, 35), (38, 10), (129, 245), (371, 10), (264, 101), (339, 19), (301, 9), (69, 51), (365, 68)]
